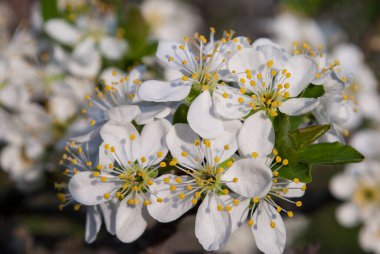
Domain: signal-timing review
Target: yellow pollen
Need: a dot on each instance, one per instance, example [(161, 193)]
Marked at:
[(194, 201), (287, 85), (149, 182), (235, 179), (288, 75), (182, 47), (298, 203), (278, 159), (189, 187), (92, 122), (278, 209), (178, 180), (255, 200), (296, 180), (159, 200), (270, 63), (185, 78), (253, 83), (290, 214), (242, 90), (216, 159), (143, 159), (285, 162), (162, 164), (112, 149), (242, 81), (226, 147), (220, 208), (96, 174), (236, 202), (132, 137), (273, 73), (225, 95), (166, 179), (275, 173), (225, 191), (107, 195), (184, 154), (228, 208), (76, 207), (259, 76), (272, 224), (197, 194), (230, 163), (303, 187), (251, 222), (103, 179), (181, 196), (255, 155), (146, 202)]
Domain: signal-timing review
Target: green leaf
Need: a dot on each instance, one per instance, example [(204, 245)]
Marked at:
[(180, 116), (330, 153), (136, 32), (284, 143), (313, 91), (301, 171), (49, 9), (305, 136)]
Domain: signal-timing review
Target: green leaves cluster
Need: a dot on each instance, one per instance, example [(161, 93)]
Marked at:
[(297, 146)]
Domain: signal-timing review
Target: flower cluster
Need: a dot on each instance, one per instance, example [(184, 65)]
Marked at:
[(215, 138)]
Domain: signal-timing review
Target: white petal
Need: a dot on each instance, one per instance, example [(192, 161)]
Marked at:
[(62, 31), (150, 112), (85, 61), (153, 140), (119, 136), (123, 114), (268, 239), (202, 118), (109, 210), (274, 53), (170, 49), (298, 106), (254, 178), (343, 185), (181, 139), (239, 212), (171, 208), (230, 108), (89, 190), (348, 215), (162, 91), (93, 223), (302, 70), (112, 48), (212, 227), (256, 135), (130, 222), (217, 147), (245, 59)]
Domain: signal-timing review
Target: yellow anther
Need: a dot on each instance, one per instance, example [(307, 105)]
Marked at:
[(284, 71), (253, 83), (272, 224), (220, 208), (76, 207), (275, 152), (170, 59), (239, 47), (173, 162), (226, 147), (132, 137), (251, 222), (235, 180), (135, 188), (146, 202), (255, 155), (197, 194), (184, 153), (286, 85), (242, 90), (96, 174), (103, 179), (216, 159), (236, 201), (288, 75), (298, 203), (178, 180), (92, 122), (182, 47), (107, 146), (255, 200), (162, 164), (285, 190), (167, 180), (290, 214), (159, 200), (130, 201), (173, 187), (189, 187), (143, 159), (240, 100), (88, 163), (181, 196), (197, 142), (230, 163), (149, 182), (286, 95), (112, 149), (273, 73), (275, 173), (278, 159), (303, 187), (194, 201), (285, 162), (259, 76), (184, 62), (107, 195), (225, 191), (296, 180), (219, 170), (242, 80), (228, 208), (278, 209), (160, 154), (270, 63), (207, 142)]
